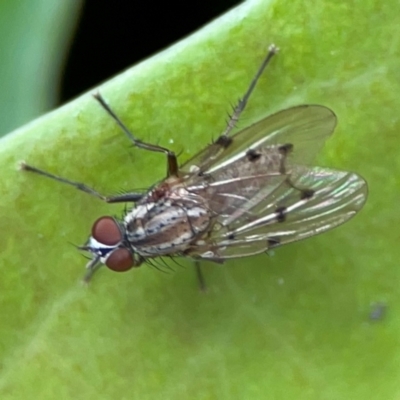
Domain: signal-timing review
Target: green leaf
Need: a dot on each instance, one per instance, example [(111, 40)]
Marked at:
[(294, 325)]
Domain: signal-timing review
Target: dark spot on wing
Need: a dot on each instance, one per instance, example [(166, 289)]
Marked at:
[(206, 176), (280, 214), (273, 242), (224, 141), (285, 149), (252, 155), (307, 194), (231, 236)]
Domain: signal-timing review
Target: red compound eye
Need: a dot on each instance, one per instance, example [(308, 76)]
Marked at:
[(120, 260), (106, 231)]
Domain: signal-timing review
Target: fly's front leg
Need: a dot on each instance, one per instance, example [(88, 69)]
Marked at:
[(172, 162), (92, 267), (200, 278), (127, 197)]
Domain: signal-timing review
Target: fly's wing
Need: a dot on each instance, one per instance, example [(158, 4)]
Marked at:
[(235, 189), (261, 191), (306, 127), (285, 215)]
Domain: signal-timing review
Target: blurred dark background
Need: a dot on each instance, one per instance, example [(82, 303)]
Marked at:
[(112, 36)]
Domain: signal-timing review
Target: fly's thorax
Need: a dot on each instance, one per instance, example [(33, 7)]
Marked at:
[(168, 225)]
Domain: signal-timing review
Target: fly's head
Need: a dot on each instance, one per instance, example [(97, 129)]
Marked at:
[(109, 246)]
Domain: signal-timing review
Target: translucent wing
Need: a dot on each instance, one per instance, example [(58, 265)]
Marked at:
[(284, 215), (306, 127)]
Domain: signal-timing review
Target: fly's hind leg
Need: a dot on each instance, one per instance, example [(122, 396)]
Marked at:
[(241, 105)]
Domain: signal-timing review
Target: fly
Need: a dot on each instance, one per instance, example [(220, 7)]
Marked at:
[(242, 195)]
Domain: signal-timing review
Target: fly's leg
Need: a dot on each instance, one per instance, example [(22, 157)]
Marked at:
[(92, 267), (241, 105), (172, 161), (200, 278), (127, 197)]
